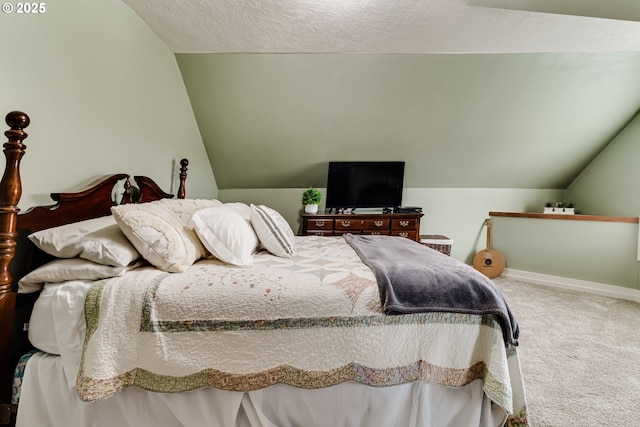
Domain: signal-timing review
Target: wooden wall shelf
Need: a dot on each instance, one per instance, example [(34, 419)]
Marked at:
[(576, 217)]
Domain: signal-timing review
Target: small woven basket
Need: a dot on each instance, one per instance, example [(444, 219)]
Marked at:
[(438, 242)]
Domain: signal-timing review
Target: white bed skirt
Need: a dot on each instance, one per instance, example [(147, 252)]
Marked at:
[(47, 401)]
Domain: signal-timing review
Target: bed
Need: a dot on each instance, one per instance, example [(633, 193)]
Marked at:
[(150, 310)]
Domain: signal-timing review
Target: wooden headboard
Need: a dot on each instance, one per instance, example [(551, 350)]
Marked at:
[(94, 201)]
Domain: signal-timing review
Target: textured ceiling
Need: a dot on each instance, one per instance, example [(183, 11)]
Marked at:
[(392, 26)]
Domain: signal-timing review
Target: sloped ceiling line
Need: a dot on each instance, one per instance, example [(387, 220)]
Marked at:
[(382, 26)]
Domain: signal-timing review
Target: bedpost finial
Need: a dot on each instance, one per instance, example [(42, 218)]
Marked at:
[(10, 192), (183, 178), (17, 120)]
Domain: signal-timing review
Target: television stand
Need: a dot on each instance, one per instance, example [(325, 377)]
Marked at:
[(389, 224)]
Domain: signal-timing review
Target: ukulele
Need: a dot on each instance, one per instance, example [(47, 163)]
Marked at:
[(489, 261)]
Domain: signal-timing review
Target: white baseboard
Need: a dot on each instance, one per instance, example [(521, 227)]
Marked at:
[(574, 284)]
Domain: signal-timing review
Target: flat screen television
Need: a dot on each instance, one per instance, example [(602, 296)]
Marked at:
[(364, 184)]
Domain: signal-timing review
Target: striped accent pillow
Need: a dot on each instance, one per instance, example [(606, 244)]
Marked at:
[(273, 231)]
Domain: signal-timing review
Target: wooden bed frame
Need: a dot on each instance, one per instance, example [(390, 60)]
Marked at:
[(93, 202)]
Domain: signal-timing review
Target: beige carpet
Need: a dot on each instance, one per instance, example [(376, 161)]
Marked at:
[(580, 355)]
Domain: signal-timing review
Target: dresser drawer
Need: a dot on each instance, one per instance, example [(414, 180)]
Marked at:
[(348, 224), (375, 224), (409, 234), (362, 224), (318, 224), (404, 224)]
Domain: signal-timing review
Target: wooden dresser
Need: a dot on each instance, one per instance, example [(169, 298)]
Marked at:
[(393, 224)]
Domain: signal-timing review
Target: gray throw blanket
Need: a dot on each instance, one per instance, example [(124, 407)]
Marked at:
[(413, 278)]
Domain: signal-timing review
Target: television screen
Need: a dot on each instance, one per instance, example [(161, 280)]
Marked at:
[(364, 184)]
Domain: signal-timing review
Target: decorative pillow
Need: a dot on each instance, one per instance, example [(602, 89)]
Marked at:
[(99, 240), (185, 208), (159, 235), (273, 231), (62, 270), (226, 234)]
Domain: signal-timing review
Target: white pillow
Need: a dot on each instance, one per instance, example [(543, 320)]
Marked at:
[(273, 230), (57, 324), (99, 240), (242, 208), (41, 322), (107, 246), (62, 270), (159, 235), (226, 234)]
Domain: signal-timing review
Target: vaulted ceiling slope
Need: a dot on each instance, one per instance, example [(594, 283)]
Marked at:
[(510, 121), (279, 88)]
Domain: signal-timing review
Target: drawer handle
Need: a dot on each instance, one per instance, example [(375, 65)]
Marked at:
[(345, 223), (378, 223), (319, 224), (404, 223), (375, 233), (403, 234)]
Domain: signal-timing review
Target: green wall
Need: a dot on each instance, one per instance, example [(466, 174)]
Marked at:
[(458, 120), (610, 184), (594, 251), (104, 94), (603, 252)]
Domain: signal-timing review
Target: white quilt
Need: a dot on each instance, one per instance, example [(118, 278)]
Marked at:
[(310, 321)]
